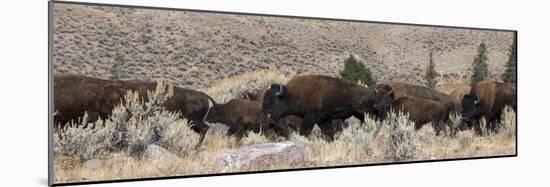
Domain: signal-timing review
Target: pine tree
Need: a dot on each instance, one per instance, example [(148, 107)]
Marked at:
[(480, 67), (509, 74), (355, 70), (431, 74)]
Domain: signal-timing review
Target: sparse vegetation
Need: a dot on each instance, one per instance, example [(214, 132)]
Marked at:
[(355, 70), (480, 68)]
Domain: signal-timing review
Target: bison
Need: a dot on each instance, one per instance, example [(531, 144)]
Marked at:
[(75, 95), (318, 99), (487, 99), (420, 111), (401, 89), (457, 96), (242, 115), (292, 122)]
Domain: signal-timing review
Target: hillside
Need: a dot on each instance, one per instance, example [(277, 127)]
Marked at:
[(195, 49)]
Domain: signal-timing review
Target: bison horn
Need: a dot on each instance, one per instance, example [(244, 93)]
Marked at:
[(476, 101), (280, 92)]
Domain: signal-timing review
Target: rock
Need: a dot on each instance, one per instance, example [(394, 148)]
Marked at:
[(156, 153), (261, 156), (93, 164)]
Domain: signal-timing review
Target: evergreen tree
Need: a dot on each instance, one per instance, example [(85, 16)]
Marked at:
[(480, 67), (355, 70), (509, 74), (117, 66), (431, 74)]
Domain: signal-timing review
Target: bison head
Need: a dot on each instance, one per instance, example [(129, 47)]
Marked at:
[(275, 103), (386, 98), (471, 110)]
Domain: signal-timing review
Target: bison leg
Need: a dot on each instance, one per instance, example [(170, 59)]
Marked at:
[(437, 127), (494, 124), (201, 128), (477, 127), (231, 131), (328, 129), (281, 129), (308, 123), (360, 116), (92, 117)]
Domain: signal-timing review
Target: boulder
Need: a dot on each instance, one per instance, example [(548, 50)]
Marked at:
[(261, 156), (156, 153), (93, 164)]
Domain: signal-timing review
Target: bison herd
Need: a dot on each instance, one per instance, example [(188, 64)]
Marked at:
[(298, 105)]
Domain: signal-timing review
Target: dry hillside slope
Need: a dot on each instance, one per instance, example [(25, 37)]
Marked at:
[(194, 49)]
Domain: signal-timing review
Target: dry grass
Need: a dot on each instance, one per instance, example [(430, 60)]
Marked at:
[(374, 142)]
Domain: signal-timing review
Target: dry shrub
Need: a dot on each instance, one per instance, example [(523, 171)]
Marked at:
[(484, 127), (84, 142), (254, 138), (131, 127), (400, 140), (426, 134), (357, 137), (456, 119), (237, 86), (465, 138), (508, 122)]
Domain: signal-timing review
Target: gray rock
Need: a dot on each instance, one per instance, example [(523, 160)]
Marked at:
[(261, 156), (156, 153), (93, 164)]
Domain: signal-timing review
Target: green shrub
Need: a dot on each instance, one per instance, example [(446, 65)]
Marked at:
[(355, 71), (431, 75), (509, 74), (480, 68)]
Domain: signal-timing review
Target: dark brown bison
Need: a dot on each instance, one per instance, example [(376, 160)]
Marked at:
[(401, 89), (457, 96), (75, 95), (242, 115), (292, 122), (318, 99), (487, 99), (420, 111)]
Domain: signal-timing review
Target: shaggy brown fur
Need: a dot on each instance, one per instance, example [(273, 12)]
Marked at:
[(457, 96), (422, 111), (401, 89), (318, 99), (488, 99), (242, 115)]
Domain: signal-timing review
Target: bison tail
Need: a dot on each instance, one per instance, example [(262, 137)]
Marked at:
[(212, 100)]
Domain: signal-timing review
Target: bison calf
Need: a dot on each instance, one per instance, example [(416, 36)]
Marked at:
[(420, 111), (242, 116)]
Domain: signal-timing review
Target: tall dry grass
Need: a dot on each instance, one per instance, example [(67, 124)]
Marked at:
[(391, 140)]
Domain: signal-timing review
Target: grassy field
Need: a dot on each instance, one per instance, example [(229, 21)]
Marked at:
[(392, 140)]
